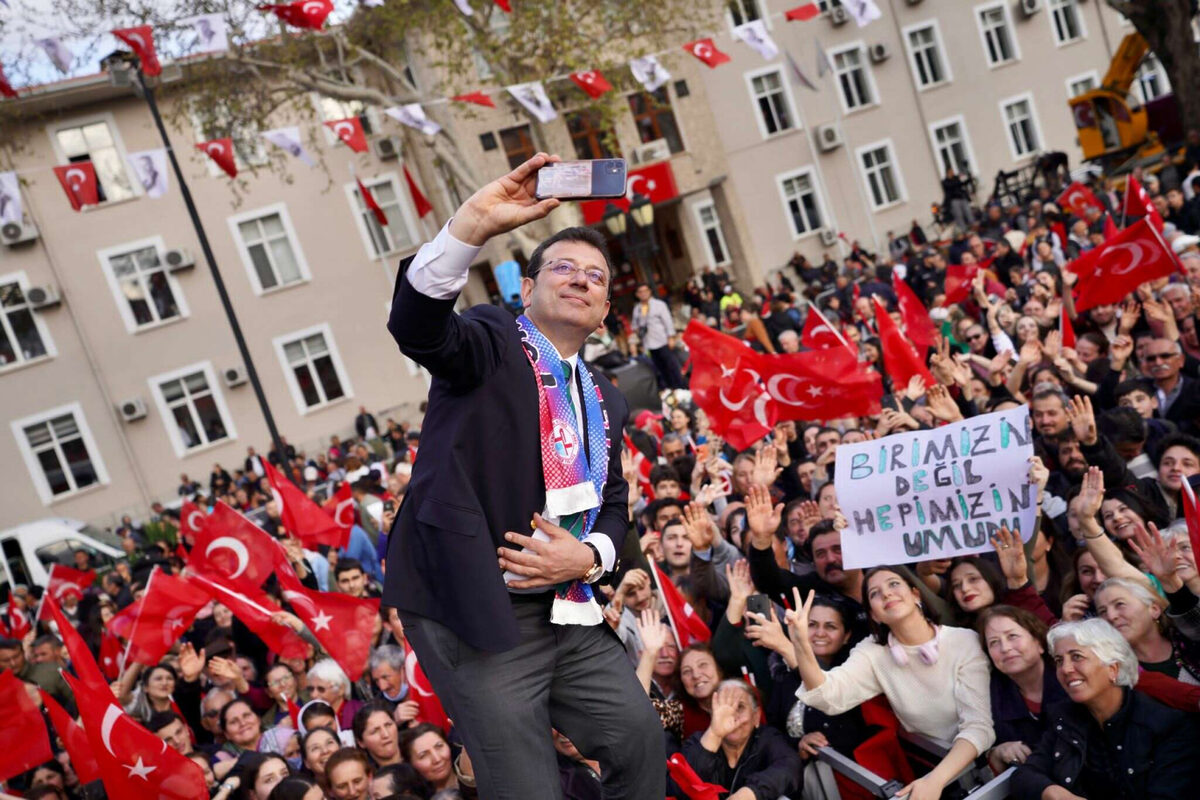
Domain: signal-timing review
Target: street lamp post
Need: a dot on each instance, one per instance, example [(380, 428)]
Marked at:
[(641, 214)]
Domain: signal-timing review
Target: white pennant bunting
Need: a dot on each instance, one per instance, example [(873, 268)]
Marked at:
[(649, 72), (58, 53), (464, 7), (289, 139), (413, 116), (212, 35), (533, 97), (754, 33), (863, 11), (150, 166), (10, 198)]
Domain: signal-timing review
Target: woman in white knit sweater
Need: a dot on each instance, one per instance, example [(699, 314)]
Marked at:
[(935, 677)]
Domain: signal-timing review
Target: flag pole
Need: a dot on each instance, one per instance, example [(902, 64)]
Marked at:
[(133, 630), (665, 604), (1125, 201)]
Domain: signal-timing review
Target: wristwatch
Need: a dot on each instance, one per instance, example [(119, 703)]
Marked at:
[(597, 569)]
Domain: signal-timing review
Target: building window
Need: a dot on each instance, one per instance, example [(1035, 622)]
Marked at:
[(950, 143), (59, 452), (22, 338), (313, 368), (924, 47), (146, 293), (192, 408), (216, 121), (654, 119), (770, 96), (590, 138), (1065, 20), (498, 28), (518, 145), (743, 11), (998, 41), (853, 82), (799, 192), (269, 248), (710, 229), (397, 235), (879, 171), (1151, 79), (1022, 129), (333, 109), (1082, 84), (95, 142)]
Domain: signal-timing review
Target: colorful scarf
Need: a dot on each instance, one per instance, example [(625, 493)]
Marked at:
[(574, 487)]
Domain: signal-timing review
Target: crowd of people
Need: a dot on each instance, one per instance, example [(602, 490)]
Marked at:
[(1071, 652)]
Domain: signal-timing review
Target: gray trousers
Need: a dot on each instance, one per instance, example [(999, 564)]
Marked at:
[(576, 679)]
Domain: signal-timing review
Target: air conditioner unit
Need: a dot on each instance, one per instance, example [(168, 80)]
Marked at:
[(839, 15), (829, 137), (43, 297), (387, 147), (234, 376), (1030, 7), (133, 409), (879, 52), (657, 150), (18, 232), (178, 259), (828, 237)]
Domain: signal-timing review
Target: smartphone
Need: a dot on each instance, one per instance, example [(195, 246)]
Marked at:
[(759, 604), (389, 506), (582, 180)]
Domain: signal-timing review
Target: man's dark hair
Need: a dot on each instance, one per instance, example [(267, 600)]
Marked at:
[(161, 719), (316, 709), (589, 236), (1123, 425), (663, 472), (820, 529), (1132, 385), (658, 505), (47, 638), (1176, 440), (346, 755), (347, 565), (406, 781)]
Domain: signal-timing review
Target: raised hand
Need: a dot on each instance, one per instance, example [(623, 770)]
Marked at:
[(766, 466), (629, 469), (1038, 473), (699, 526), (761, 517), (767, 632), (724, 712), (915, 388), (191, 663), (942, 405), (1053, 345), (1161, 558), (797, 620), (504, 204), (634, 580), (1031, 352), (653, 633), (740, 587), (1119, 351), (708, 495), (1091, 494), (1012, 557), (1076, 608), (1082, 419), (1130, 313)]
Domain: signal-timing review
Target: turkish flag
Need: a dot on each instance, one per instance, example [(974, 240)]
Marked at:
[(350, 131), (341, 508), (68, 580), (688, 781), (429, 707), (917, 324), (23, 740), (255, 610), (1110, 227), (74, 740), (420, 201), (192, 520), (819, 333), (802, 13), (1191, 513), (293, 712), (141, 39), (1065, 328), (372, 206), (592, 82), (900, 358), (958, 282), (169, 606), (82, 661), (1138, 204), (706, 51), (1077, 198), (121, 623), (303, 518), (221, 151), (505, 6), (133, 761), (6, 89), (686, 623), (78, 180), (233, 549), (820, 384), (112, 656), (344, 625), (725, 384), (478, 98), (17, 619), (1134, 256), (308, 14)]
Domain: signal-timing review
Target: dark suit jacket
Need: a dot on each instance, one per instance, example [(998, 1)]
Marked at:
[(1185, 411), (479, 473)]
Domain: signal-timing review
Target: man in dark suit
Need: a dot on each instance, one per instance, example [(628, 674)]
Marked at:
[(1178, 395), (474, 592)]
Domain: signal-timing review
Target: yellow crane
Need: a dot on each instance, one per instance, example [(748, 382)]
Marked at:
[(1109, 130)]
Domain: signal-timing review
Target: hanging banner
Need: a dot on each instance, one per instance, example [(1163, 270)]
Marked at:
[(150, 166), (10, 199), (939, 493)]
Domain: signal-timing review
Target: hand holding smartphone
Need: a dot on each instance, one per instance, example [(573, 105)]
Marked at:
[(582, 180)]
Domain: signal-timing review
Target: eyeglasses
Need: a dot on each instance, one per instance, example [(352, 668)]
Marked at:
[(566, 269), (972, 337), (1158, 356)]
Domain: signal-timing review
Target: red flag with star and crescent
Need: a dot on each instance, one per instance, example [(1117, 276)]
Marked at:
[(255, 609), (802, 13), (819, 333), (688, 626), (233, 549), (308, 14), (141, 39), (16, 620), (725, 384), (592, 82), (192, 520), (341, 508), (478, 98), (372, 206), (169, 606), (23, 740), (83, 663), (429, 707), (820, 384), (1078, 198), (78, 180), (303, 518), (74, 739), (221, 152), (1065, 327), (1138, 204), (900, 358), (420, 201), (344, 625), (66, 580), (706, 51), (1111, 271), (917, 324), (350, 131)]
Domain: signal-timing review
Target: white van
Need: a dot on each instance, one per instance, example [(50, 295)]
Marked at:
[(31, 549)]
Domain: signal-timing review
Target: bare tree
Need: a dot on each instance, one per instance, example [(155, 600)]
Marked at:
[(1166, 26)]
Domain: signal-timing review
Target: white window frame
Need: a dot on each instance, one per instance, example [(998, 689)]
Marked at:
[(811, 174), (1008, 24), (960, 120), (107, 117), (896, 173), (22, 280), (1158, 70), (34, 467), (119, 298), (939, 47), (369, 111), (699, 206), (298, 396), (861, 46), (1054, 5), (401, 189), (168, 418), (788, 100), (1033, 117), (764, 13), (1092, 75), (261, 155), (244, 250)]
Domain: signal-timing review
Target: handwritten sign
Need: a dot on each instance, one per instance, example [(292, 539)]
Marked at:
[(940, 493)]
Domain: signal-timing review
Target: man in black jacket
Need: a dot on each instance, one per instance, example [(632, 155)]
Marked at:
[(475, 593)]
